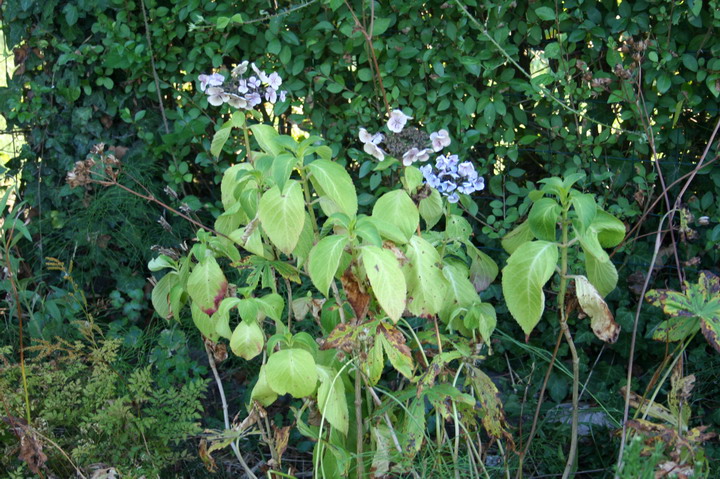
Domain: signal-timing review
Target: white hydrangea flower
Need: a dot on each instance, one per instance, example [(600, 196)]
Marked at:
[(217, 96), (374, 150), (215, 79), (240, 69), (366, 137), (440, 139), (413, 155), (274, 81), (237, 101), (397, 121)]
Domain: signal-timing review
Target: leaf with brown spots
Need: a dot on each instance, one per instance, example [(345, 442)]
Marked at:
[(395, 348), (602, 321), (493, 418), (282, 435), (343, 338), (358, 298)]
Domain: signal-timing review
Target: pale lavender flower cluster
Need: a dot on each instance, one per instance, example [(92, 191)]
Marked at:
[(451, 177), (245, 89)]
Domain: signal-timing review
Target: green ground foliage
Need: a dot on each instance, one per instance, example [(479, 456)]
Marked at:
[(626, 92)]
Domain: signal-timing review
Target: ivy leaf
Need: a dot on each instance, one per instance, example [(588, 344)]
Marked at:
[(526, 272), (517, 237), (333, 183), (386, 279), (397, 209), (207, 285), (325, 260), (602, 321), (332, 403), (292, 371), (543, 219), (425, 281), (247, 340), (283, 215)]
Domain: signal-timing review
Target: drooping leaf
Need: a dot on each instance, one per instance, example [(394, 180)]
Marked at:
[(203, 322), (610, 230), (517, 237), (527, 271), (221, 318), (333, 182), (414, 428), (396, 208), (395, 348), (282, 168), (207, 285), (386, 279), (292, 371), (324, 261), (331, 399), (543, 219), (483, 270), (219, 139), (282, 215), (425, 281), (262, 392), (493, 417), (602, 321), (161, 293), (481, 316), (247, 340), (460, 293), (603, 276)]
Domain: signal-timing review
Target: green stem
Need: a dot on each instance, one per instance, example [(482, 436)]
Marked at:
[(359, 421), (308, 202), (572, 454), (246, 135)]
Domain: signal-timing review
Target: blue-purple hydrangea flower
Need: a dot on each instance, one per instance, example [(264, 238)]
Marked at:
[(451, 177)]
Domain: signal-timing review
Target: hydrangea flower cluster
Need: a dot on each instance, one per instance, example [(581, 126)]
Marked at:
[(451, 177), (245, 89)]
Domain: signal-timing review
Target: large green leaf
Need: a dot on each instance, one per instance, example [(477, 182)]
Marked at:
[(610, 231), (247, 340), (282, 168), (461, 292), (386, 279), (517, 237), (262, 392), (425, 281), (397, 209), (585, 209), (526, 272), (266, 137), (207, 285), (331, 399), (602, 275), (219, 139), (292, 371), (333, 182), (324, 261), (543, 219), (282, 216)]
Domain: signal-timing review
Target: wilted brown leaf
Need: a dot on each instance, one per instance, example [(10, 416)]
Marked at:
[(282, 435), (205, 457), (30, 446), (356, 294), (602, 321)]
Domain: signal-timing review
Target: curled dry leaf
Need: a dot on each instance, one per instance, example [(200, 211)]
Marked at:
[(357, 296), (31, 449), (602, 321)]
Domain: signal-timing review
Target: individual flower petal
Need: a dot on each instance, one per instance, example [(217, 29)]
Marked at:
[(237, 101), (243, 86), (440, 139), (397, 121), (253, 82), (261, 74), (413, 155), (253, 99), (374, 150), (453, 198), (215, 79), (271, 95), (466, 168), (282, 95), (274, 81), (366, 137), (217, 96), (240, 69)]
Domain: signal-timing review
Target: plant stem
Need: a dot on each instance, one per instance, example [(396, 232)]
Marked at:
[(246, 136), (226, 417), (359, 421), (572, 454)]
